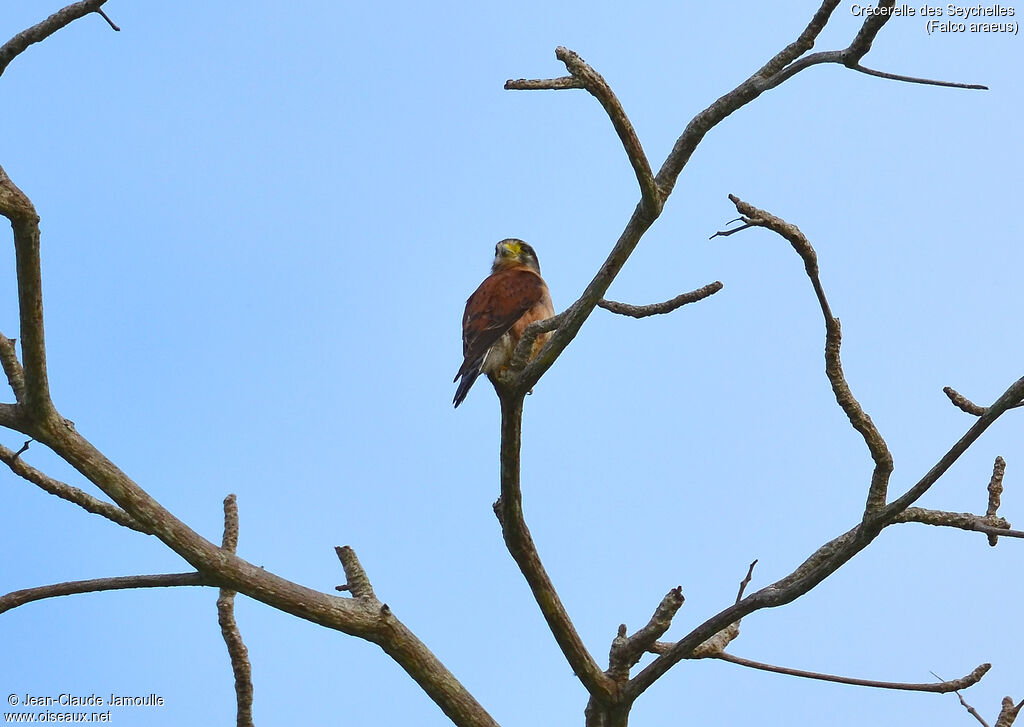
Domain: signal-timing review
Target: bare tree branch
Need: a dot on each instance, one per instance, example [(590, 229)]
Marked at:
[(752, 216), (543, 84), (995, 492), (239, 655), (363, 615), (941, 687), (583, 76), (10, 416), (164, 580), (852, 55), (1008, 713), (12, 368), (831, 556), (1007, 401), (773, 73), (626, 651), (915, 79), (67, 492), (970, 710), (642, 311), (358, 582), (961, 520), (39, 419), (509, 509), (962, 402), (16, 207), (41, 31), (746, 580), (110, 22)]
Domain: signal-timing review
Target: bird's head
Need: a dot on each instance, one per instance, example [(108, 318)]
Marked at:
[(511, 253)]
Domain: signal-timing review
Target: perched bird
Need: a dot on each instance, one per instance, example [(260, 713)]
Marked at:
[(510, 299)]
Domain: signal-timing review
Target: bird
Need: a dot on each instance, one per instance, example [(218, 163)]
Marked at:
[(512, 297)]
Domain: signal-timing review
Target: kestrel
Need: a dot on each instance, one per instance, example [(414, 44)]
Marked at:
[(510, 299)]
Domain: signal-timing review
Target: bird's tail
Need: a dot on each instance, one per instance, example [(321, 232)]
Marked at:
[(468, 377)]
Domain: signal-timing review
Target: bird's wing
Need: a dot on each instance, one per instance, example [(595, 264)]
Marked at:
[(497, 304)]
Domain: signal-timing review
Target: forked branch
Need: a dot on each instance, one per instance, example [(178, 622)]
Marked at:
[(583, 76)]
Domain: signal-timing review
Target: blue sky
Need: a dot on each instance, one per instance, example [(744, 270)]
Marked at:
[(260, 228)]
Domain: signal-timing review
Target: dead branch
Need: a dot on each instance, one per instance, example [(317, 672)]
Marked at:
[(509, 509), (970, 710), (66, 492), (642, 311), (962, 520), (38, 418), (239, 655), (831, 556), (940, 687), (859, 419), (41, 31), (746, 580), (358, 582), (626, 651), (561, 83), (583, 76), (16, 207), (783, 66), (995, 492), (110, 22), (12, 368), (1009, 399), (1008, 713), (962, 402), (163, 580)]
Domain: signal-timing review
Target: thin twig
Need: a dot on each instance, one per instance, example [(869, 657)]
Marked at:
[(237, 652), (67, 492), (941, 687), (746, 580), (642, 311), (971, 710), (109, 21), (915, 79), (163, 580)]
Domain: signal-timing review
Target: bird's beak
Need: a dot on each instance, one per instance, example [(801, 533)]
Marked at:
[(512, 249)]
